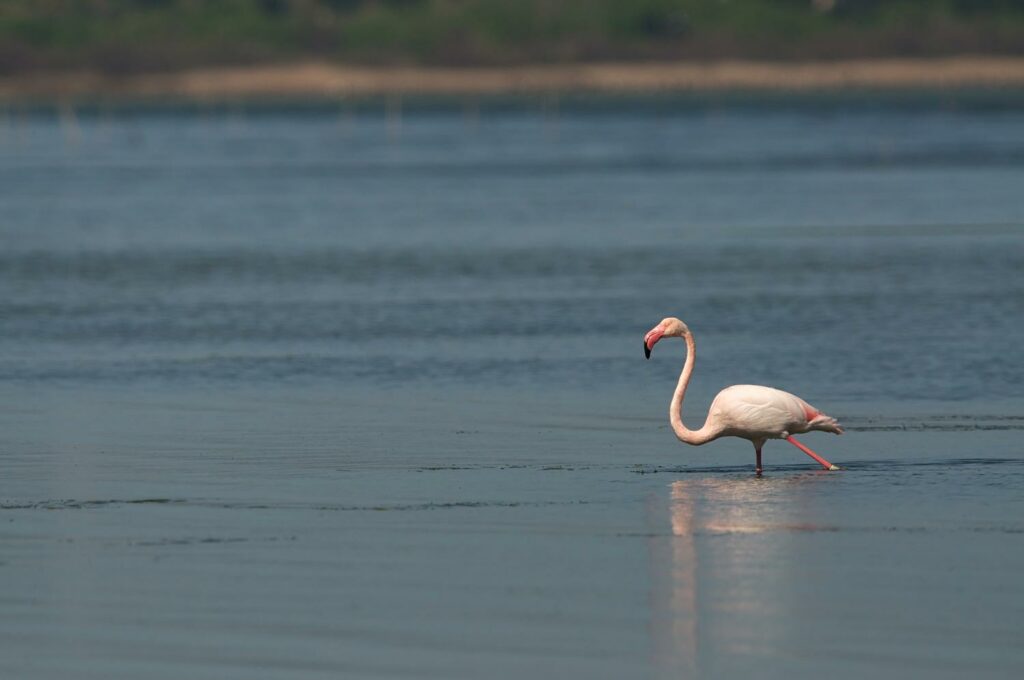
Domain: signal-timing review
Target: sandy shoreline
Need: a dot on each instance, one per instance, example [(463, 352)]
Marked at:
[(331, 80)]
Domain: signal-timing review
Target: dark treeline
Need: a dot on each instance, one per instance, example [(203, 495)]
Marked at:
[(140, 35)]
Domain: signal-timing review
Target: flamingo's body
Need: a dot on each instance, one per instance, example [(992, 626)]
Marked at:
[(751, 412), (756, 412)]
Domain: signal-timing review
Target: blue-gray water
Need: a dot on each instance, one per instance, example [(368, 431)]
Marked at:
[(323, 393)]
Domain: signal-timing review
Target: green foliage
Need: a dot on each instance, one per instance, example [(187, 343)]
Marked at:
[(132, 35)]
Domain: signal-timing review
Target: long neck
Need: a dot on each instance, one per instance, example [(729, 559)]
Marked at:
[(675, 410)]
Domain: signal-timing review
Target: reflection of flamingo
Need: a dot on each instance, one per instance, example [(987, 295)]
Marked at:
[(674, 596), (752, 412)]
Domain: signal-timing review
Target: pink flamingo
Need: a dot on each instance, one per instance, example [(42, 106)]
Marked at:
[(751, 412)]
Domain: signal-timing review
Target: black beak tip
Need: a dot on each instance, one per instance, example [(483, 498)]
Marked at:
[(647, 351)]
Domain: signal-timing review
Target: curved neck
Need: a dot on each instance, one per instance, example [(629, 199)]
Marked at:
[(675, 410)]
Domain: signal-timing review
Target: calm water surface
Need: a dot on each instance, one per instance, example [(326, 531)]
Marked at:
[(324, 393)]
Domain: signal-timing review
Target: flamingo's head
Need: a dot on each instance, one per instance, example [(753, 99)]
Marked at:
[(667, 328)]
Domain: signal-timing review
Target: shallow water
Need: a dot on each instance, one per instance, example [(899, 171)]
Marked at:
[(312, 393)]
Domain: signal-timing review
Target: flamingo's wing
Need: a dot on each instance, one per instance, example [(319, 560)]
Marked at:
[(757, 409)]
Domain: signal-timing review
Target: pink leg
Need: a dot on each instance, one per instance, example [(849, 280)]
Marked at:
[(824, 463), (757, 448)]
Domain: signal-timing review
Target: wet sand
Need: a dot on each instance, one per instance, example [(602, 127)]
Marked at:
[(332, 80)]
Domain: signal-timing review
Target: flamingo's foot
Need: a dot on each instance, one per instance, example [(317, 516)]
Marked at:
[(758, 471), (833, 468)]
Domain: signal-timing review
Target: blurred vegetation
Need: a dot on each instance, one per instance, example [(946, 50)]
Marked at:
[(126, 36)]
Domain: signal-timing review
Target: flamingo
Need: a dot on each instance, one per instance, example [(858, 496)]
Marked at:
[(751, 412)]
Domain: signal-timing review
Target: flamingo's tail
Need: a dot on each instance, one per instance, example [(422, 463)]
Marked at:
[(825, 423)]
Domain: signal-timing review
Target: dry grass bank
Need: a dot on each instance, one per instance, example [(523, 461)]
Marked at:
[(329, 80)]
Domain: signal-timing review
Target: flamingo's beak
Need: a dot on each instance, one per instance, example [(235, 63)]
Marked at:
[(650, 339)]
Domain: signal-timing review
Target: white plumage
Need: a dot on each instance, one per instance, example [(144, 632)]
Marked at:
[(759, 412)]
